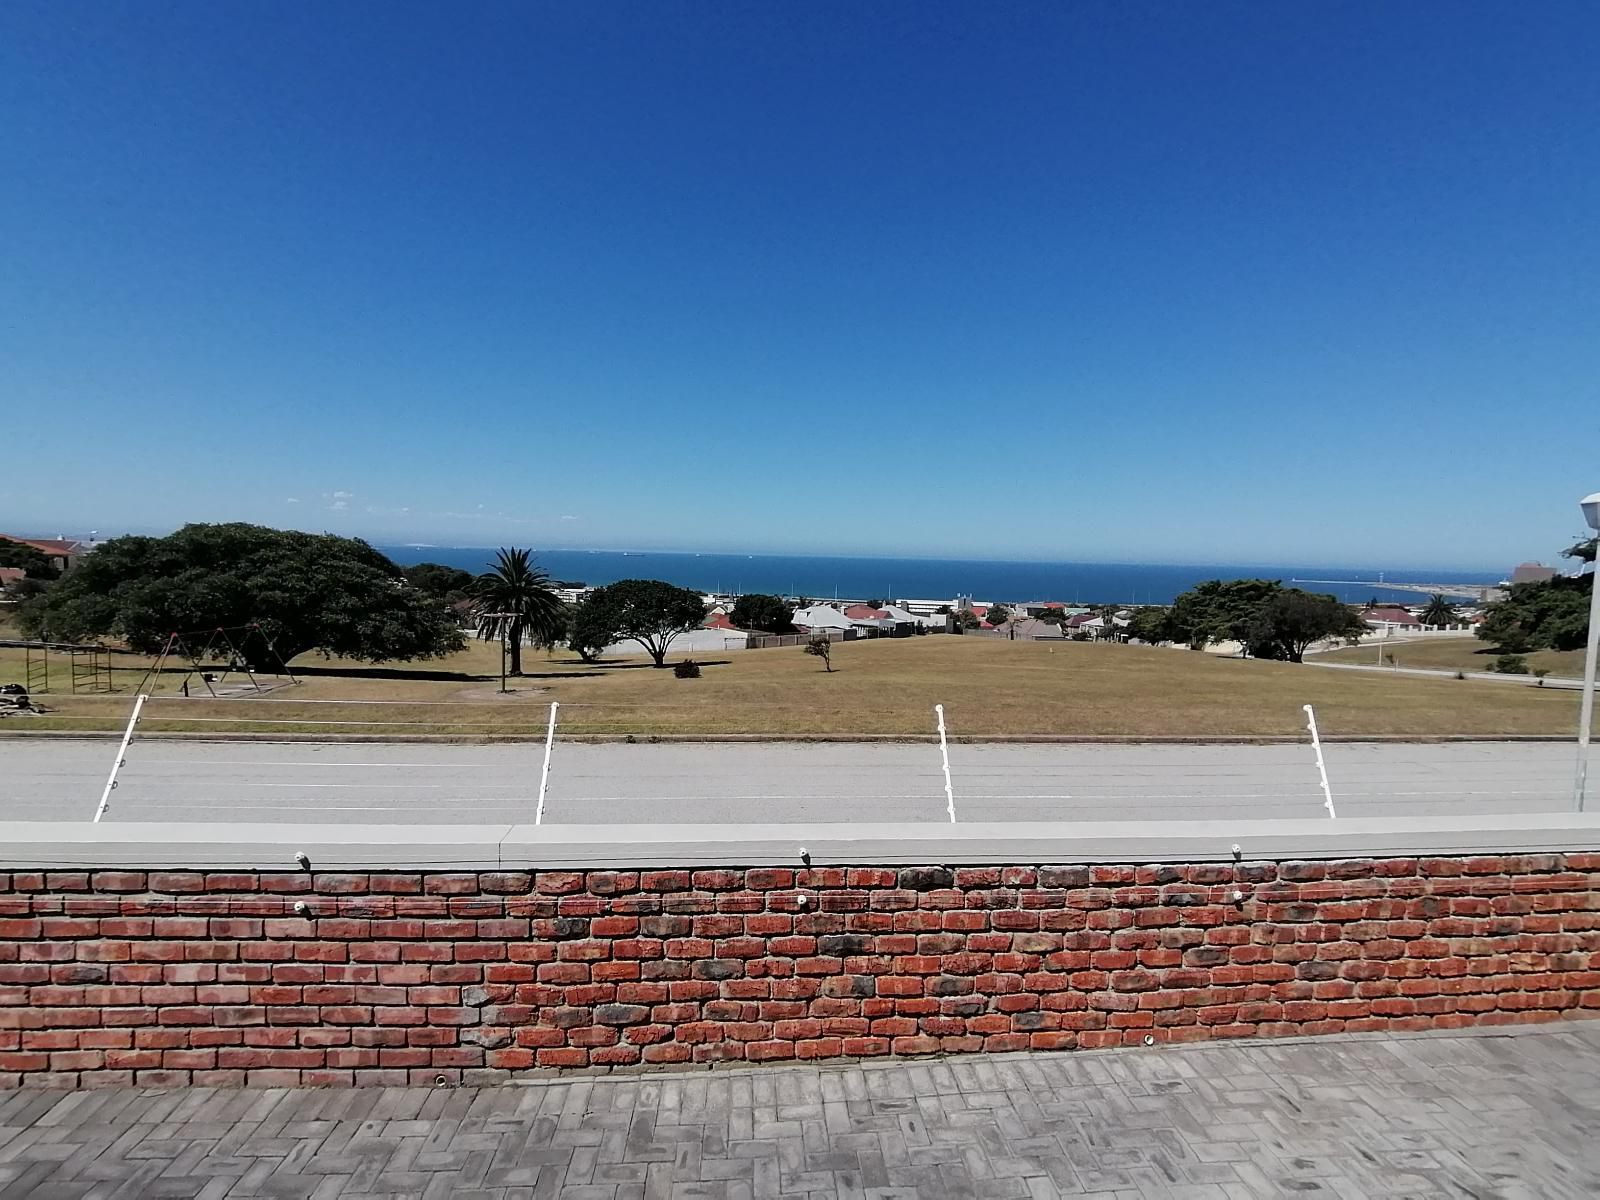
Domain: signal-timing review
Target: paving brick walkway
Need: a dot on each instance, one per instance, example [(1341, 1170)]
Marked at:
[(1365, 1116)]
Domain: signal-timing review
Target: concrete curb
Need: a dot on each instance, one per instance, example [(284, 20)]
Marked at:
[(1577, 1021), (1061, 739)]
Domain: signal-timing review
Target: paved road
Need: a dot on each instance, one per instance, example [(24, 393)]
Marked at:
[(1557, 683), (1339, 1116), (712, 782)]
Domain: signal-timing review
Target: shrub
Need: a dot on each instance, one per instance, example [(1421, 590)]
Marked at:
[(1541, 672), (687, 669), (820, 647), (1511, 664)]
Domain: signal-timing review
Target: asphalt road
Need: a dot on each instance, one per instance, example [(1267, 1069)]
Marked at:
[(721, 782)]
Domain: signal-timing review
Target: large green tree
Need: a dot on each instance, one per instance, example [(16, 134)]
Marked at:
[(1289, 621), (35, 563), (646, 611), (592, 627), (1553, 615), (1219, 610), (1268, 619), (514, 600), (304, 591), (1152, 624), (768, 614)]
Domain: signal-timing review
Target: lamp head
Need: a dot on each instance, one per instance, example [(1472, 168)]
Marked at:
[(1591, 509)]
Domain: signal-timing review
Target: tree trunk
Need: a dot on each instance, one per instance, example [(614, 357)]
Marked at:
[(514, 637)]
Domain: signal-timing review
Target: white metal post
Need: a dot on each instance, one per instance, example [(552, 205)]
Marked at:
[(544, 775), (1322, 767), (1586, 709), (122, 752), (944, 754)]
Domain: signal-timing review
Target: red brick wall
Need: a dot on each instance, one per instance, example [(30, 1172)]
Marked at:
[(175, 977)]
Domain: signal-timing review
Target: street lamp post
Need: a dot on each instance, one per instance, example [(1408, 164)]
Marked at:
[(1591, 514)]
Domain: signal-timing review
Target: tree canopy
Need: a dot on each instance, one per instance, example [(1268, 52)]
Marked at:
[(767, 614), (1151, 623), (304, 591), (646, 611), (1551, 615), (592, 627), (439, 581), (1290, 621), (1584, 550), (1219, 610), (1439, 611), (1268, 619), (514, 601)]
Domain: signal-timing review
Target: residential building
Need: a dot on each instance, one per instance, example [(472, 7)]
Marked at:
[(820, 618), (60, 551)]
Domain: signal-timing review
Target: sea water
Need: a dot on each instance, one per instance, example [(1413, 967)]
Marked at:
[(856, 578)]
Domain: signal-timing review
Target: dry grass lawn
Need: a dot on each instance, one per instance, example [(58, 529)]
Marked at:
[(1458, 654), (888, 687)]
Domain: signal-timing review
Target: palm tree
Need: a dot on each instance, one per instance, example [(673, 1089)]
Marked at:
[(1439, 611), (515, 601)]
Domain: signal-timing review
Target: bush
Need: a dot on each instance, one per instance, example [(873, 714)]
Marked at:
[(821, 648), (687, 669), (1541, 672), (1511, 664)]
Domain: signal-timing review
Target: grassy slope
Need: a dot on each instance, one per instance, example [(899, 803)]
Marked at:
[(988, 687), (1459, 654)]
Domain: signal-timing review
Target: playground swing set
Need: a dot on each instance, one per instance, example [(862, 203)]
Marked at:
[(219, 641)]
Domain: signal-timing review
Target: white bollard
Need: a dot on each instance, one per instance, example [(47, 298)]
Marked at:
[(1322, 767), (544, 775), (122, 752), (944, 753)]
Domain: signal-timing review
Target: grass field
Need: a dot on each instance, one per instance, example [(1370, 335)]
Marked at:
[(887, 687), (1458, 654)]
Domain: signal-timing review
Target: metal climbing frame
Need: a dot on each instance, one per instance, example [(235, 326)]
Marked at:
[(37, 668), (91, 669)]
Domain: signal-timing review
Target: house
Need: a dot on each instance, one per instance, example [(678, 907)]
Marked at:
[(1390, 617), (900, 616), (864, 612), (1031, 629), (821, 618), (1086, 622), (717, 618), (1036, 608), (60, 551)]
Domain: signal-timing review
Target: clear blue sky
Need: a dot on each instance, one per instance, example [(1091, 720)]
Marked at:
[(1190, 282)]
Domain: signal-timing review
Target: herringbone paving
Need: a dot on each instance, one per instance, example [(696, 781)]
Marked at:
[(1367, 1116)]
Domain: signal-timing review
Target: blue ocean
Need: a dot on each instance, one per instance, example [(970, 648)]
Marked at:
[(824, 578)]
